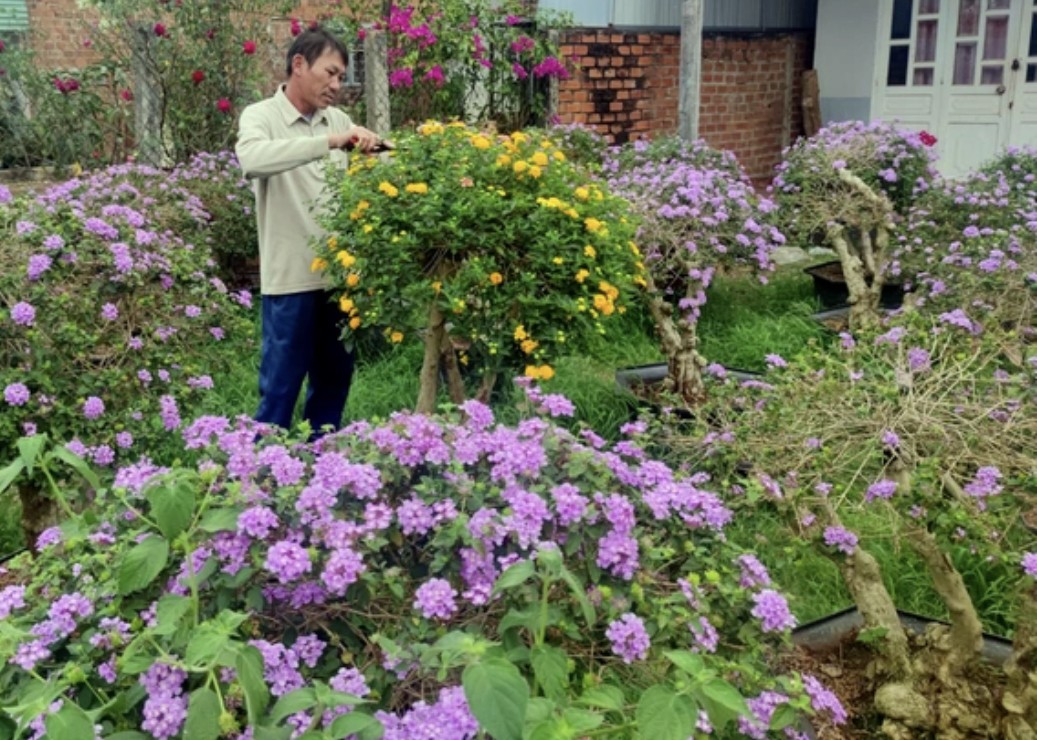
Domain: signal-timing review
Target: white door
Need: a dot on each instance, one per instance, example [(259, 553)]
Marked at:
[(952, 67), (1023, 105), (982, 40)]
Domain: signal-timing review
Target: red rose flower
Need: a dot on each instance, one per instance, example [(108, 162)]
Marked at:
[(224, 105), (160, 30), (249, 47), (296, 27), (126, 95), (927, 138), (1, 46), (197, 76)]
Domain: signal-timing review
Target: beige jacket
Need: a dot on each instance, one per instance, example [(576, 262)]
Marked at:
[(285, 155)]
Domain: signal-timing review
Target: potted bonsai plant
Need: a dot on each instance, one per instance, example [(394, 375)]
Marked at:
[(699, 214), (848, 186)]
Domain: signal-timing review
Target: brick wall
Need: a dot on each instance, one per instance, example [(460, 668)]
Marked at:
[(627, 87), (60, 33)]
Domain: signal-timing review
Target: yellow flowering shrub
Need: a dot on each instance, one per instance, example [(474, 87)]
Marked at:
[(499, 240)]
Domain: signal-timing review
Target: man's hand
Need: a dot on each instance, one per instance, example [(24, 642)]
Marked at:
[(358, 138)]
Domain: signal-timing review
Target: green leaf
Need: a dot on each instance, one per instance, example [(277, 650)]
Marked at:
[(223, 519), (203, 716), (526, 617), (170, 610), (551, 670), (352, 724), (662, 714), (29, 449), (296, 701), (723, 702), (205, 646), (550, 729), (172, 505), (71, 723), (550, 559), (581, 720), (514, 576), (141, 565), (10, 474), (128, 735), (784, 716), (687, 661), (249, 667), (497, 695), (603, 697), (78, 464), (580, 593)]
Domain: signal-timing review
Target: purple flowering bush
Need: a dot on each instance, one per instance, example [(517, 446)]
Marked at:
[(423, 577), (475, 60), (700, 215), (927, 425), (111, 316), (850, 186)]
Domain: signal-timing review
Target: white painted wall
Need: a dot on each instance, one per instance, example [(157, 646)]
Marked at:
[(844, 57)]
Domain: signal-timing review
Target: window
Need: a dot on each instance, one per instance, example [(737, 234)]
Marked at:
[(14, 16)]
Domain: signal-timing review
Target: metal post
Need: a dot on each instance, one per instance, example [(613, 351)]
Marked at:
[(691, 70), (147, 103), (376, 81)]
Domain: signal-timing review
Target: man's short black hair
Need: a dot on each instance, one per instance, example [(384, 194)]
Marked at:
[(311, 44)]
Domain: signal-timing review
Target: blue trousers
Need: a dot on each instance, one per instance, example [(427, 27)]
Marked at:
[(301, 339)]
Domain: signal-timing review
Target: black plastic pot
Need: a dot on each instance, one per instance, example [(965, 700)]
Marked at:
[(831, 289), (829, 632), (628, 378)]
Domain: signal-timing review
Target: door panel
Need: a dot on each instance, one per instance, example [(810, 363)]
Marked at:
[(1023, 113)]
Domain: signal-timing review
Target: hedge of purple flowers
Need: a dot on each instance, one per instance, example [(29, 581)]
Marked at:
[(430, 576)]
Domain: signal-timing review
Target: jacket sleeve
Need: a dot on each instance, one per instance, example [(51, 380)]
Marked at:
[(263, 156)]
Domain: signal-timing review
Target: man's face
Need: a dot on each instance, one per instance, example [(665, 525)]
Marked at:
[(319, 83)]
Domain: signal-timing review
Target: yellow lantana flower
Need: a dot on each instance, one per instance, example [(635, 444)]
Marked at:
[(431, 128), (540, 372), (352, 280), (345, 304), (496, 278), (396, 337), (608, 289), (503, 160), (520, 166), (535, 172), (529, 345), (582, 193), (582, 275), (520, 333), (345, 259), (593, 225), (419, 188), (603, 304), (559, 155), (332, 242), (540, 159), (481, 142), (388, 188), (558, 260), (318, 265), (354, 322), (589, 252)]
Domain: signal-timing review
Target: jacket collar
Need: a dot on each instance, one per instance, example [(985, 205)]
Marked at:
[(290, 113)]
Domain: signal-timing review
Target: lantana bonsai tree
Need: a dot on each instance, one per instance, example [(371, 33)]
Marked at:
[(110, 324), (849, 187), (496, 251), (699, 214), (928, 426), (427, 576)]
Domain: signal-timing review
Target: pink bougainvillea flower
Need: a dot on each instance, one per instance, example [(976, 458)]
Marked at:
[(197, 76), (401, 77), (927, 138), (296, 27), (249, 47), (224, 105), (435, 75)]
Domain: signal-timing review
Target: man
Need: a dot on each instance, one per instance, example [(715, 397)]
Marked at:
[(284, 144)]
